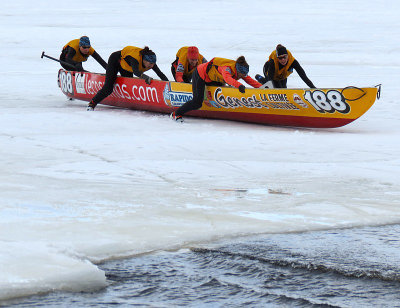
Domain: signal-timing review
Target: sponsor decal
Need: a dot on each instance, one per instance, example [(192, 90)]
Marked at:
[(80, 83), (329, 102), (297, 99), (142, 93), (208, 100), (209, 95), (65, 82), (138, 94), (268, 101), (284, 106), (278, 98), (234, 102), (175, 98), (180, 68), (86, 86)]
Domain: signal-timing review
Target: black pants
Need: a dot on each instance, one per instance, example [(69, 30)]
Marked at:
[(185, 78), (277, 83), (113, 67), (198, 86)]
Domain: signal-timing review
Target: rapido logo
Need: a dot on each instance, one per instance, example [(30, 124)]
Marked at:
[(174, 98)]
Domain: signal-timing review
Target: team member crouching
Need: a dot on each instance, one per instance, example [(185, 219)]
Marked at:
[(78, 51), (128, 61), (187, 59), (279, 66), (216, 72)]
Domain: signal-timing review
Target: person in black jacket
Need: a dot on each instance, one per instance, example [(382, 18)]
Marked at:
[(279, 66), (78, 51), (128, 62)]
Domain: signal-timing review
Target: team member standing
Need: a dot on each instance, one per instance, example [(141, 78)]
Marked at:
[(78, 51), (129, 61), (279, 66), (216, 72), (187, 59)]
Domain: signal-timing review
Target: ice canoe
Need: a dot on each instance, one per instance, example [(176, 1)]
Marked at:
[(319, 108)]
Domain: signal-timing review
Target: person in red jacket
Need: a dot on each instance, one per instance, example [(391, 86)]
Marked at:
[(187, 59), (216, 72)]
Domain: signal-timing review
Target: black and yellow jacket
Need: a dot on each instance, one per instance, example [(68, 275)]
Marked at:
[(281, 72), (132, 61), (278, 73), (72, 55)]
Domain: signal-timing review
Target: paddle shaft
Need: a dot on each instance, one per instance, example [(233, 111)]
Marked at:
[(60, 61)]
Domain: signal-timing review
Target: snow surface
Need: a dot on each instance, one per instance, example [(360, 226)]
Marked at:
[(78, 187)]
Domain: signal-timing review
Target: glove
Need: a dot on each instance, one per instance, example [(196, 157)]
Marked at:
[(146, 78), (242, 88), (260, 79)]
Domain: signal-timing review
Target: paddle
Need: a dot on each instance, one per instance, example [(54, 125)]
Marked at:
[(62, 62)]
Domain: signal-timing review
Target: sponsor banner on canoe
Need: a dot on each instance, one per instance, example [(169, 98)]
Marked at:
[(329, 101), (256, 101), (175, 96), (87, 85)]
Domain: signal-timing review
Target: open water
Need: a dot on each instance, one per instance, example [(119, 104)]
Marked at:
[(357, 267)]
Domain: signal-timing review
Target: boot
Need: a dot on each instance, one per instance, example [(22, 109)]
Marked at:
[(175, 117), (91, 106), (260, 79)]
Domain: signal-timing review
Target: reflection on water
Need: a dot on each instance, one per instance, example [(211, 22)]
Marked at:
[(340, 268)]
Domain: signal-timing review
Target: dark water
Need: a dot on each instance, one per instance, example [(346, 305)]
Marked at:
[(341, 268)]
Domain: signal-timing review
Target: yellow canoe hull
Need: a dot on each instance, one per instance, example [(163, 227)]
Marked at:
[(328, 107)]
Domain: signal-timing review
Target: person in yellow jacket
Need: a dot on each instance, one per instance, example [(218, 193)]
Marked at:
[(78, 51), (187, 59), (279, 66), (129, 61), (217, 72)]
